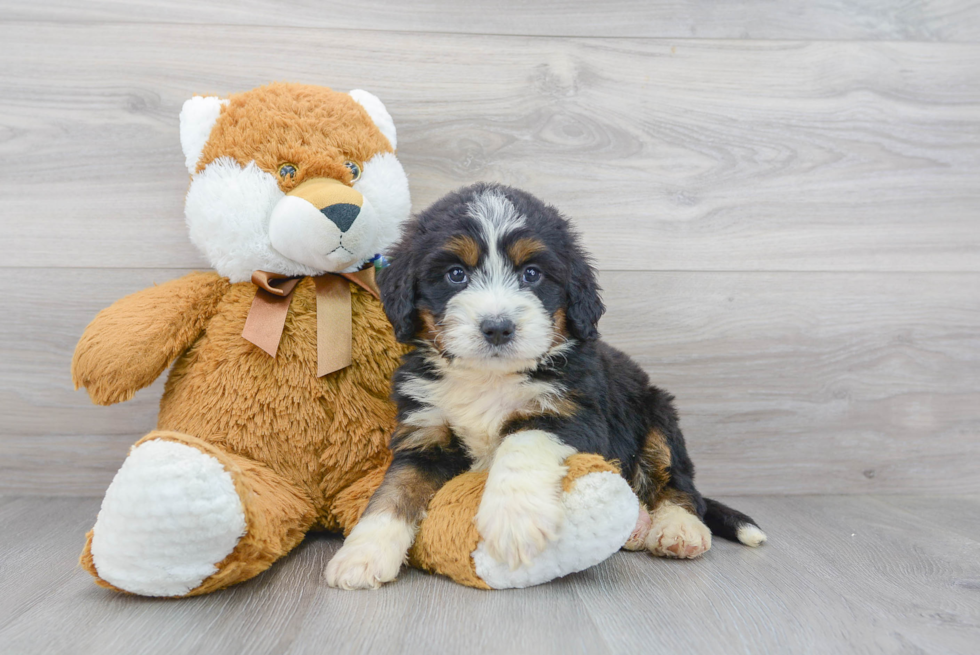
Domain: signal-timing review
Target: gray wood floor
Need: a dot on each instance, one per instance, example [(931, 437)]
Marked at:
[(842, 574)]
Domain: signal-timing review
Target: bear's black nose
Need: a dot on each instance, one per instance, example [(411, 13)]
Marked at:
[(497, 331), (342, 214)]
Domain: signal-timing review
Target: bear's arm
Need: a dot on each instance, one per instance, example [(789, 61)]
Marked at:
[(133, 341)]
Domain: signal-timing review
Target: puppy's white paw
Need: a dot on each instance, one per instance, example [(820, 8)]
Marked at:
[(365, 566), (517, 525), (676, 532), (600, 512), (521, 509), (372, 555)]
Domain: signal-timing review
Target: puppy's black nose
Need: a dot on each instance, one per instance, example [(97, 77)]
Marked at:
[(343, 214), (497, 331)]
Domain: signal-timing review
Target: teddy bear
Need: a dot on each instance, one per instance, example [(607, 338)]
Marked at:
[(275, 417)]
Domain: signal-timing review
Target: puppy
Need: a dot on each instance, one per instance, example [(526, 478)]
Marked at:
[(509, 376)]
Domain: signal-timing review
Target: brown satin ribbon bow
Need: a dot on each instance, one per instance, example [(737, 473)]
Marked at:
[(267, 316)]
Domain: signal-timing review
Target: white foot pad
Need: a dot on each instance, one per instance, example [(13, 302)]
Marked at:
[(170, 515), (675, 532), (600, 513), (372, 554)]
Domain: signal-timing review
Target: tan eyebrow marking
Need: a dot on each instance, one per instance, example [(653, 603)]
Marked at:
[(523, 249), (466, 248)]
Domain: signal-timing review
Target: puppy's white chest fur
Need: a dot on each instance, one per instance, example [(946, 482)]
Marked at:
[(475, 404)]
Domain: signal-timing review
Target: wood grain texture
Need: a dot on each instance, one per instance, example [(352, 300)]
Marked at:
[(840, 574), (919, 20), (786, 383), (671, 155)]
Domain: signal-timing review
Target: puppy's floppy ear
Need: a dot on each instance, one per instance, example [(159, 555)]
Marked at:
[(585, 307), (397, 283)]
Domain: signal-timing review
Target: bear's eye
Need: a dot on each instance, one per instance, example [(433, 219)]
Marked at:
[(355, 170), (287, 169)]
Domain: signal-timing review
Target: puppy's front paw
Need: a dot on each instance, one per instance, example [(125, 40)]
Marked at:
[(516, 526), (371, 555), (677, 533), (363, 566)]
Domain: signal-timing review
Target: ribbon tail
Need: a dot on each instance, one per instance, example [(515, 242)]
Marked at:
[(334, 334), (266, 320)]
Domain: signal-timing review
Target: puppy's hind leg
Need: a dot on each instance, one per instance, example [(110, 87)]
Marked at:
[(664, 481), (676, 532)]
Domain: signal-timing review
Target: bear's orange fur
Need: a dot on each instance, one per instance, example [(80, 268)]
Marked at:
[(312, 126), (292, 442)]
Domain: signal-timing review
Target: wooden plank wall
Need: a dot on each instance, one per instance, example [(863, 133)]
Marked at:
[(783, 199)]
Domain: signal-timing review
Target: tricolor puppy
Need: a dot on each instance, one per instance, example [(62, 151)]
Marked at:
[(509, 376)]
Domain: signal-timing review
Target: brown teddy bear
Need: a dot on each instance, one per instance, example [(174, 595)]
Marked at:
[(275, 418)]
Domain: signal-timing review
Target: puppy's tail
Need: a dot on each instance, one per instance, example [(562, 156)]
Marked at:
[(731, 524)]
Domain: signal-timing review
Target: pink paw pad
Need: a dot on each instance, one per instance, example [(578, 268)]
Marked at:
[(639, 535)]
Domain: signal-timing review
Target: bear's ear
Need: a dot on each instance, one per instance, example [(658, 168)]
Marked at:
[(376, 110), (197, 118)]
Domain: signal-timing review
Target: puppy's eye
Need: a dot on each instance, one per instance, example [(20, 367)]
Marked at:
[(532, 275), (456, 275), (355, 170), (287, 169)]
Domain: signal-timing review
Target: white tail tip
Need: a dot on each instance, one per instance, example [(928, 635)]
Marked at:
[(751, 535)]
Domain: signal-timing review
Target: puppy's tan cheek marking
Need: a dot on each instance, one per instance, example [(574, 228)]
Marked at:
[(559, 327), (409, 437), (405, 493), (466, 248), (430, 331), (523, 249), (653, 468)]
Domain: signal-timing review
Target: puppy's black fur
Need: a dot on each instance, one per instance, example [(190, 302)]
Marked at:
[(609, 406)]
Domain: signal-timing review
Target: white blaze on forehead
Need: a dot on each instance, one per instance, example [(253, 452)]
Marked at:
[(494, 211), (496, 216)]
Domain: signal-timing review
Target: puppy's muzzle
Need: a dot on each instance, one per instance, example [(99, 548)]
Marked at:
[(334, 199)]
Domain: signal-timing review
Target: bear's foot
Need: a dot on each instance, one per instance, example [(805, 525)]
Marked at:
[(185, 517), (170, 516)]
